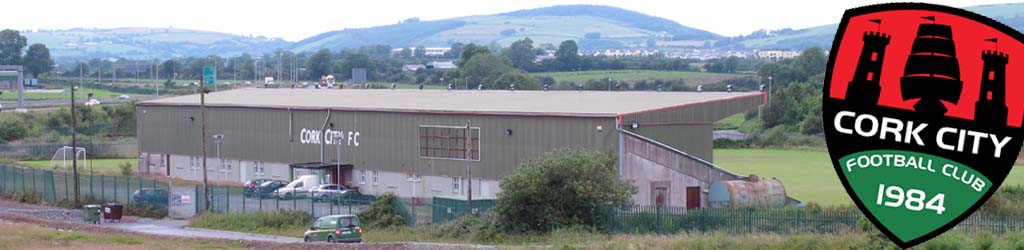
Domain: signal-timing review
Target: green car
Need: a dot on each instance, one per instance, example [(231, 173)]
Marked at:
[(335, 228)]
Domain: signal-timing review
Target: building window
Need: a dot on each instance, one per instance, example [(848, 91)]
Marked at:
[(874, 56), (456, 184), (194, 162), (362, 176), (225, 164), (257, 168), (376, 178), (871, 76), (991, 75), (449, 142)]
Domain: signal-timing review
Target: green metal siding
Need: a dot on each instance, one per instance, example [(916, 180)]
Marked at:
[(694, 139), (696, 113), (387, 141)]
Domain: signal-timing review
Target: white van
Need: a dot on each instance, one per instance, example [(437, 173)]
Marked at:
[(298, 187)]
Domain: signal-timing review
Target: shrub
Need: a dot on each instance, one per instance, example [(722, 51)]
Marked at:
[(126, 169), (561, 189), (382, 213), (12, 128), (278, 222), (474, 227), (147, 211)]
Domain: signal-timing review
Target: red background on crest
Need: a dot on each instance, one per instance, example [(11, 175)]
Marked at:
[(969, 37)]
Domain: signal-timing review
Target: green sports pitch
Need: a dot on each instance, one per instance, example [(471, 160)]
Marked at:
[(807, 174), (690, 77)]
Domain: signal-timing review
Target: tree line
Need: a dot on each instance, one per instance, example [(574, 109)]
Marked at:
[(35, 61)]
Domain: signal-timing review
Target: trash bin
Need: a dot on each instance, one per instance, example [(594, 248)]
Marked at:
[(112, 211), (91, 213)]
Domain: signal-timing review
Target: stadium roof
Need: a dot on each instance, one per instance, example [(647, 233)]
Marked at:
[(570, 103)]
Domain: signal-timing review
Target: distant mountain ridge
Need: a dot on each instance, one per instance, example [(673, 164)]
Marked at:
[(592, 26), (1011, 14), (617, 27)]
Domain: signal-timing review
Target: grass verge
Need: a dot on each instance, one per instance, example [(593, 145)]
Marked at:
[(281, 222), (26, 236)]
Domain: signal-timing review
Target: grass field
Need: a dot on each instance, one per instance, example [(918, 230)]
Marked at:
[(81, 94), (99, 166), (691, 78), (807, 175), (26, 236), (731, 122)]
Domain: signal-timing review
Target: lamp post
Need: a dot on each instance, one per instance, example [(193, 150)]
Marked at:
[(74, 144)]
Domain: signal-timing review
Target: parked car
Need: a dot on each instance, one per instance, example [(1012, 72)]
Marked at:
[(124, 97), (298, 187), (154, 197), (326, 192), (266, 190), (249, 187), (335, 228), (354, 197), (92, 102)]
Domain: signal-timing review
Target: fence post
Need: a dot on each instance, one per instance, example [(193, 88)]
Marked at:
[(103, 187), (22, 181), (34, 181), (312, 206), (243, 199), (227, 199)]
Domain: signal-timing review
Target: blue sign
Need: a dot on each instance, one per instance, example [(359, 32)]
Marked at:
[(209, 75)]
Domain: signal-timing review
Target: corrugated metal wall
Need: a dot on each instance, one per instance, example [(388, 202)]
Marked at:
[(387, 141)]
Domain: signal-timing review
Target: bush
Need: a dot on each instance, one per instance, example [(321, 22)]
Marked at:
[(277, 222), (126, 169), (12, 128), (382, 214), (474, 227), (147, 211), (562, 189)]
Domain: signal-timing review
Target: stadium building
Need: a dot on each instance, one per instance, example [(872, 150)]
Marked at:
[(414, 142)]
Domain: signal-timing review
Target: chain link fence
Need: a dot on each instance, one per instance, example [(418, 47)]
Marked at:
[(45, 151)]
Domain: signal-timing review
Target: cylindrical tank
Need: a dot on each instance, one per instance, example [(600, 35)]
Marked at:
[(747, 193)]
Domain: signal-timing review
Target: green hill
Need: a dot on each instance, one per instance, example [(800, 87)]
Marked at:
[(147, 43), (593, 26), (1010, 14)]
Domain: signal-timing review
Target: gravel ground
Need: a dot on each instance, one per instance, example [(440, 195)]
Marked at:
[(68, 219)]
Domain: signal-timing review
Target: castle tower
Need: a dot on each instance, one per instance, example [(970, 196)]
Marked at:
[(864, 89), (991, 105)]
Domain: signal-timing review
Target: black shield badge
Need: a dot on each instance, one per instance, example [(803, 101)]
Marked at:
[(922, 111)]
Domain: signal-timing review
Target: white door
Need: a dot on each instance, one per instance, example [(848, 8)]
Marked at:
[(242, 170)]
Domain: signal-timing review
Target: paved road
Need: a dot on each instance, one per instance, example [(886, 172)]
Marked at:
[(177, 228)]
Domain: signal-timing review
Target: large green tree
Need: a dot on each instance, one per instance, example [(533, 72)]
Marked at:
[(521, 54), (522, 81), (562, 189), (320, 64), (37, 60), (354, 61), (484, 68), (11, 44), (568, 56), (468, 52)]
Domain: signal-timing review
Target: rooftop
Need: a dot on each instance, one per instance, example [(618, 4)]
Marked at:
[(570, 103)]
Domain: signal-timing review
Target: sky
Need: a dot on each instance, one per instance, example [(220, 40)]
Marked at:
[(298, 19)]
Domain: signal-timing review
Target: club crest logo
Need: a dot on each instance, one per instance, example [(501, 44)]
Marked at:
[(922, 114)]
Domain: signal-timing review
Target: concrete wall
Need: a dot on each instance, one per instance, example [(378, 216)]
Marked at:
[(647, 163)]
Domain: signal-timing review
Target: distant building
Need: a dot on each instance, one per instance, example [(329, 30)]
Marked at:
[(413, 67), (625, 52), (441, 65), (430, 51), (776, 55)]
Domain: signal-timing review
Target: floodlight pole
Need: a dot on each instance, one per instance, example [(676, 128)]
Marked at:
[(469, 170), (74, 143), (202, 111)]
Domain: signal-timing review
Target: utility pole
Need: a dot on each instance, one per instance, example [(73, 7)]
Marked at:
[(202, 111), (74, 144), (469, 170)]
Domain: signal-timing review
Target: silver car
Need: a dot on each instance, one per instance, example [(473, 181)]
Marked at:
[(326, 191)]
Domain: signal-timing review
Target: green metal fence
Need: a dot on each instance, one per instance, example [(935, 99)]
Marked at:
[(234, 199), (56, 186), (447, 209), (655, 220)]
